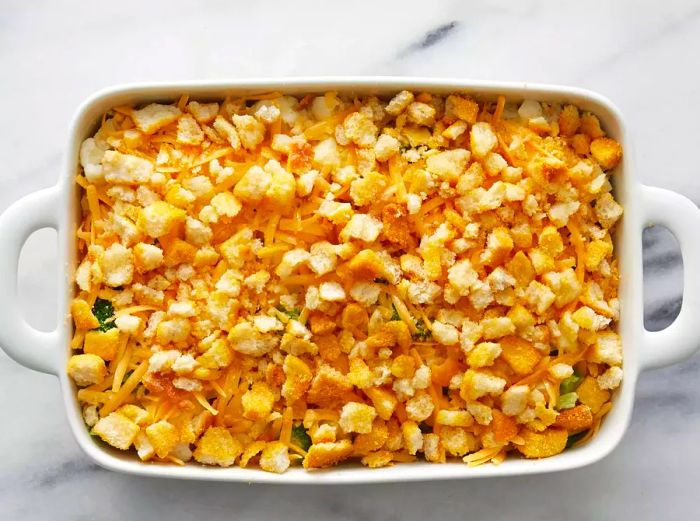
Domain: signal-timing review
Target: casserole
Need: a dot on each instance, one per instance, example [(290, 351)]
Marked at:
[(57, 208)]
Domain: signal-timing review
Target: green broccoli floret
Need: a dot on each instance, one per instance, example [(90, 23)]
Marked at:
[(571, 440), (423, 332), (300, 438), (567, 401), (292, 313), (104, 312), (570, 384)]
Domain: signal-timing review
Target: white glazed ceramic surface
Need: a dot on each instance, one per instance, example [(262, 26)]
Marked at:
[(56, 207)]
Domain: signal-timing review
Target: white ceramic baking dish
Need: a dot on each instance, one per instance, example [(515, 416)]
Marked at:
[(56, 207)]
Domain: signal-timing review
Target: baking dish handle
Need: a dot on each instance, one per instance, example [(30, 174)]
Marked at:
[(30, 347), (682, 338)]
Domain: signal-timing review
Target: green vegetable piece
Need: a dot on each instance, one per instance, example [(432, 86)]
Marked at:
[(423, 332), (104, 312), (300, 438), (567, 401), (394, 314), (570, 384), (571, 440), (292, 313)]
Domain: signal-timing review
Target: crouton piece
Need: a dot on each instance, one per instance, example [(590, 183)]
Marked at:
[(245, 339), (257, 401), (117, 430), (561, 371), (499, 243), (483, 354), (117, 264), (590, 394), (253, 186), (590, 125), (611, 378), (539, 297), (331, 292), (103, 344), (581, 144), (321, 324), (607, 152), (360, 129), (412, 436), (448, 165), (330, 388), (445, 333), (596, 252), (218, 447), (121, 168), (357, 417), (163, 437), (160, 218), (322, 455), (135, 413), (297, 378), (521, 317), (282, 185), (565, 286), (82, 315), (420, 113), (250, 131), (476, 384), (482, 139), (86, 369), (514, 400), (203, 112), (457, 442), (188, 131), (569, 121), (521, 268), (463, 108), (458, 418), (226, 130), (520, 355), (607, 210), (368, 188), (371, 441), (396, 226), (589, 319), (335, 212), (173, 330), (420, 407), (154, 116), (576, 419), (275, 457), (544, 444), (385, 147), (147, 257), (144, 449), (399, 103), (383, 400), (363, 227), (455, 130), (497, 327), (377, 459), (433, 449)]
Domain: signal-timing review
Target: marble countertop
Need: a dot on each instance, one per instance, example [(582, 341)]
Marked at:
[(641, 54)]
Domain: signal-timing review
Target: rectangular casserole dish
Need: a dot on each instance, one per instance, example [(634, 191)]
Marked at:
[(57, 207)]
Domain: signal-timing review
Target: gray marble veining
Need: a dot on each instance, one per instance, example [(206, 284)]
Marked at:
[(639, 53)]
